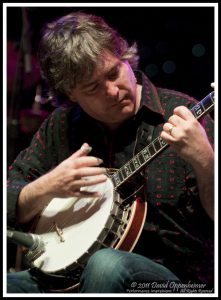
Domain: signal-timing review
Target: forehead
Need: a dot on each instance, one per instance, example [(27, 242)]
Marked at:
[(105, 64), (107, 59)]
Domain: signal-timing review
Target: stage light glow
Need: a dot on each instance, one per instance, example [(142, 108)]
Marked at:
[(169, 66), (198, 50), (151, 70)]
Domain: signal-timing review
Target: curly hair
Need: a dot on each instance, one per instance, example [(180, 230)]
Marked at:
[(71, 46)]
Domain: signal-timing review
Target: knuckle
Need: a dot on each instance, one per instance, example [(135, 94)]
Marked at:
[(172, 119), (75, 174), (165, 126), (75, 164), (179, 108)]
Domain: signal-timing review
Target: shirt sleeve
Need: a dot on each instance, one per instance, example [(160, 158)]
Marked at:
[(30, 164), (170, 101)]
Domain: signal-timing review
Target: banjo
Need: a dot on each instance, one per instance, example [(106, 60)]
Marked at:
[(72, 229)]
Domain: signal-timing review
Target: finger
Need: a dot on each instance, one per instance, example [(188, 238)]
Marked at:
[(175, 120), (168, 135), (212, 84), (184, 113), (86, 194), (86, 161), (90, 171), (168, 128), (88, 181), (84, 150)]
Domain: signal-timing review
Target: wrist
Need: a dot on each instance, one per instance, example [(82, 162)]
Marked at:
[(204, 161), (33, 199)]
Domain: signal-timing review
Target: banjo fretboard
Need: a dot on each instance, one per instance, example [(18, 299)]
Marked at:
[(156, 146)]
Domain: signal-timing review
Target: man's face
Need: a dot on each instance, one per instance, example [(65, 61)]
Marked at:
[(109, 95)]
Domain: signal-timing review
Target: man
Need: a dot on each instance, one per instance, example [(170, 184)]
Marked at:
[(115, 112)]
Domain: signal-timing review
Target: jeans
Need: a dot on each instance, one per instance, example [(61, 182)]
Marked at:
[(115, 271), (22, 282), (107, 271)]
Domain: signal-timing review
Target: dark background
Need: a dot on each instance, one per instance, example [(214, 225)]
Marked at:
[(176, 46), (162, 33)]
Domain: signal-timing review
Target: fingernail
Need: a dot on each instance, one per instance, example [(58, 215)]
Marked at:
[(86, 148)]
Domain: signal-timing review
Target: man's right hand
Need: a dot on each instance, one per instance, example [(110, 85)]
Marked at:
[(78, 171), (65, 180)]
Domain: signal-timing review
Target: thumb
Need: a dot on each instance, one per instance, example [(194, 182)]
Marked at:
[(84, 150)]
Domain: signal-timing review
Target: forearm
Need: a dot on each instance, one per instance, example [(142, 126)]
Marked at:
[(66, 180), (205, 182), (33, 198)]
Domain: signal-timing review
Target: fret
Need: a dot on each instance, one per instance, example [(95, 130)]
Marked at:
[(121, 175), (162, 142), (203, 106), (151, 150), (146, 153), (127, 169), (132, 166), (123, 172), (157, 145), (141, 158), (136, 162), (207, 102), (197, 110)]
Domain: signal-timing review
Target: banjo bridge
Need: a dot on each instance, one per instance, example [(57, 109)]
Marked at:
[(59, 232)]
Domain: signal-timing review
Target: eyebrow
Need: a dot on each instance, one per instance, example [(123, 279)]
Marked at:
[(86, 85)]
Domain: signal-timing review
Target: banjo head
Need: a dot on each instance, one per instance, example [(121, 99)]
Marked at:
[(73, 228), (69, 226)]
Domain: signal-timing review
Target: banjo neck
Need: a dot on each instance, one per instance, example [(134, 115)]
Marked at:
[(146, 155)]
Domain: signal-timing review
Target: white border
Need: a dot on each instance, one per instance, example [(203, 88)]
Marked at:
[(5, 5), (111, 4)]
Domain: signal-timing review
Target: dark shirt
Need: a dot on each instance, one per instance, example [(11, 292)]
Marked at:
[(177, 232)]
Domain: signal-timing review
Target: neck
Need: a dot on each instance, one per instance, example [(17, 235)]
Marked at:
[(112, 127)]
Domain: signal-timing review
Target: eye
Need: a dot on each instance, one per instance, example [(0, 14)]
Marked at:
[(114, 73), (93, 89)]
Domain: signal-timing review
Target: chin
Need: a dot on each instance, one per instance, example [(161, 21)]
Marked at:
[(128, 109)]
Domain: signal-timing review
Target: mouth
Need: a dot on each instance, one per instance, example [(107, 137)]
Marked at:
[(123, 100)]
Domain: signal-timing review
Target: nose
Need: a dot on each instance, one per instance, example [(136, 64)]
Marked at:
[(112, 89)]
